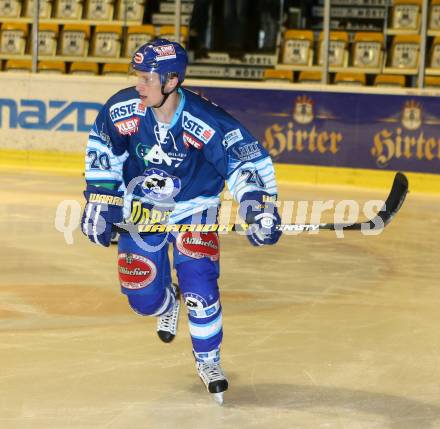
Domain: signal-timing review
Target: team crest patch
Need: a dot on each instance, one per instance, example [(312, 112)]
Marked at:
[(194, 301), (159, 185), (135, 271), (199, 245)]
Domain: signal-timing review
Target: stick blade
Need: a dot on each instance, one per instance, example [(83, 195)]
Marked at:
[(395, 199), (392, 205)]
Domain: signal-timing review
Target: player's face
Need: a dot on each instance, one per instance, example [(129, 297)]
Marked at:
[(149, 88)]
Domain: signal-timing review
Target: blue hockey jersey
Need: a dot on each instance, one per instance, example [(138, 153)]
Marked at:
[(182, 166)]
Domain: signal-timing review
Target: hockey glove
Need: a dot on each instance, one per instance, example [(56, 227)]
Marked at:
[(103, 209), (262, 215)]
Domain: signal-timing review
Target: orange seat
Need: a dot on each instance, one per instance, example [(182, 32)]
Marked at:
[(84, 68), (405, 51), (367, 49), (389, 80), (434, 15), (10, 9), (116, 69), (13, 38), (75, 40), (432, 82), (52, 67), (309, 76), (69, 10), (137, 36), (100, 10), (278, 75), (44, 11), (167, 32), (406, 14), (107, 41), (350, 79), (298, 47), (338, 49), (18, 65), (129, 10)]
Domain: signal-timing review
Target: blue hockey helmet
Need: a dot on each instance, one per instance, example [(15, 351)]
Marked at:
[(163, 57)]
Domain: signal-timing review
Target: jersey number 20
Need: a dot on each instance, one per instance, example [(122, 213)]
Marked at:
[(99, 161)]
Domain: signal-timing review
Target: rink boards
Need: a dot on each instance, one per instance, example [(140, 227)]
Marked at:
[(351, 135)]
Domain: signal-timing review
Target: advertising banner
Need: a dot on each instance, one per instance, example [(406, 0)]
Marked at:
[(337, 129), (375, 131), (51, 112)]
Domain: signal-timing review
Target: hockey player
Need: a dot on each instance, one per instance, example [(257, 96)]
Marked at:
[(160, 153)]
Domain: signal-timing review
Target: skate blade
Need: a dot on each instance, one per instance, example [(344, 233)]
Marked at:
[(218, 397)]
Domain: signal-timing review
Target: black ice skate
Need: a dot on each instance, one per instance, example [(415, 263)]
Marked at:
[(167, 324), (214, 378)]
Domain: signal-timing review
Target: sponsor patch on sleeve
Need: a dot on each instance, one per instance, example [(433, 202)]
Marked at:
[(232, 137), (247, 152)]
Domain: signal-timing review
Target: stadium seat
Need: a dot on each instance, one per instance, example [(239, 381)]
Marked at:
[(100, 10), (338, 50), (52, 67), (45, 10), (350, 79), (309, 76), (298, 47), (137, 36), (13, 38), (47, 39), (75, 40), (405, 51), (434, 60), (167, 32), (432, 82), (389, 80), (367, 50), (115, 69), (10, 9), (406, 14), (273, 75), (434, 15), (19, 66), (107, 41), (69, 9), (130, 10), (84, 68)]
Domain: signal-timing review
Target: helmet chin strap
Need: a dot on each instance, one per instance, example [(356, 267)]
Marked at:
[(166, 95)]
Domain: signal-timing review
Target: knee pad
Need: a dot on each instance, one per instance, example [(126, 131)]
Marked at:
[(152, 305), (198, 245), (136, 272)]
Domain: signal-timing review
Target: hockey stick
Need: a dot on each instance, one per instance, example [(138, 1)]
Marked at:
[(392, 205), (383, 218)]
